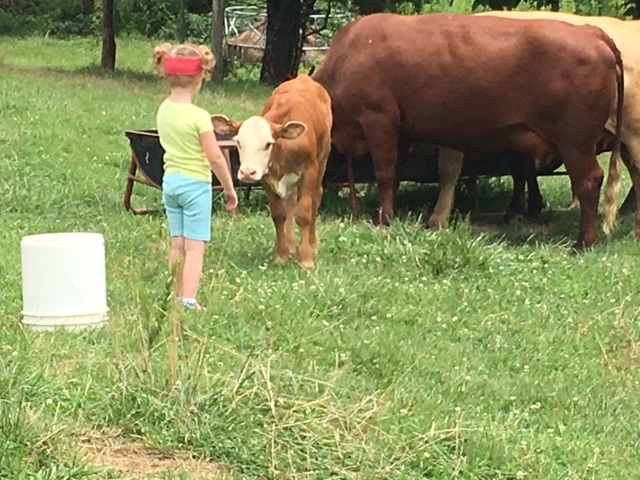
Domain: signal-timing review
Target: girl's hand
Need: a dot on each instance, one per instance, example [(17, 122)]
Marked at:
[(231, 201)]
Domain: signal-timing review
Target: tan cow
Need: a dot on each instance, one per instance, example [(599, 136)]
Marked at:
[(626, 35), (286, 149)]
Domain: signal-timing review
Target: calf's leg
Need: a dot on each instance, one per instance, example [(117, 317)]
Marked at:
[(313, 236), (306, 220), (283, 226), (290, 203), (322, 157)]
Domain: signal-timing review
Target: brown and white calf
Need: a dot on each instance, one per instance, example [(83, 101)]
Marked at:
[(286, 149)]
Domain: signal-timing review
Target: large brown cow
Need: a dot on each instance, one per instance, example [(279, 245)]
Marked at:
[(626, 35), (286, 149), (480, 85)]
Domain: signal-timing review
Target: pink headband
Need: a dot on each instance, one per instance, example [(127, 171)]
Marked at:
[(182, 65)]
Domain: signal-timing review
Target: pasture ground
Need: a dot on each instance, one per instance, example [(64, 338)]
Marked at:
[(472, 353)]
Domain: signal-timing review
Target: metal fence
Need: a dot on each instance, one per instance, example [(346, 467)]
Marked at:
[(240, 19)]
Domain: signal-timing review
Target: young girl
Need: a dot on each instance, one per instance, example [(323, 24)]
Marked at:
[(191, 153)]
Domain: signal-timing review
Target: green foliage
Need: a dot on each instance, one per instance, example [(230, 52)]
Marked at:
[(159, 19), (567, 6), (144, 17), (529, 5), (612, 8), (47, 17), (476, 352), (454, 6)]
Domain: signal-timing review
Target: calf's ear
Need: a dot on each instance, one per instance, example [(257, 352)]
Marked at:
[(291, 130), (224, 125)]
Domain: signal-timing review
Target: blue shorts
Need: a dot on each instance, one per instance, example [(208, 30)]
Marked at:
[(187, 202)]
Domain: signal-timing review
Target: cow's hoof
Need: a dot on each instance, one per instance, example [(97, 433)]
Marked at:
[(436, 223), (281, 261), (306, 264), (511, 215), (574, 203), (377, 223), (580, 247), (381, 220), (626, 209), (506, 218), (536, 210)]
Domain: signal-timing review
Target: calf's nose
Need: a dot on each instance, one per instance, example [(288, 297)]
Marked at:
[(247, 173)]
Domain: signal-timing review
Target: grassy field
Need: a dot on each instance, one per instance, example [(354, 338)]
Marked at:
[(477, 352)]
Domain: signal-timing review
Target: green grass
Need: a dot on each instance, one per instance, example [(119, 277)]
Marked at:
[(404, 354)]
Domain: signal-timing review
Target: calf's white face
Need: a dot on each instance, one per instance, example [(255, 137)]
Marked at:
[(255, 138), (255, 142)]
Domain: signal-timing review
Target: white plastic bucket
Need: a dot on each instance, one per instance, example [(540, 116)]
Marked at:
[(64, 280)]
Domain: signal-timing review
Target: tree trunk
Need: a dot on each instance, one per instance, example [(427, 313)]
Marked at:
[(182, 26), (108, 61), (217, 39), (284, 41)]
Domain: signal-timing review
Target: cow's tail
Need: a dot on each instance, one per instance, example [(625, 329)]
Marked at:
[(612, 188)]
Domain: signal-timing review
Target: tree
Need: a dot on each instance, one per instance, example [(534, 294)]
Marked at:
[(217, 39), (182, 25), (283, 48), (108, 60)]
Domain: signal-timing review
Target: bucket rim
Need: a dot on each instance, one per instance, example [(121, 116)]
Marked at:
[(24, 312), (60, 237)]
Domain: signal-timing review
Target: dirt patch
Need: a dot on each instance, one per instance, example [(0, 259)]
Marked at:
[(108, 449)]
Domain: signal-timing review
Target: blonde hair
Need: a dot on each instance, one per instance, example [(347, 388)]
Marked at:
[(186, 50)]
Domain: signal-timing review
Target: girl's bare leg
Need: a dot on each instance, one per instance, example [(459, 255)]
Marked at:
[(177, 253), (192, 269)]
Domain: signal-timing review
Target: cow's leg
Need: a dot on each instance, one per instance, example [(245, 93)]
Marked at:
[(586, 175), (535, 202), (520, 171), (449, 166), (305, 219), (278, 210), (382, 138), (574, 197), (630, 154), (629, 205)]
